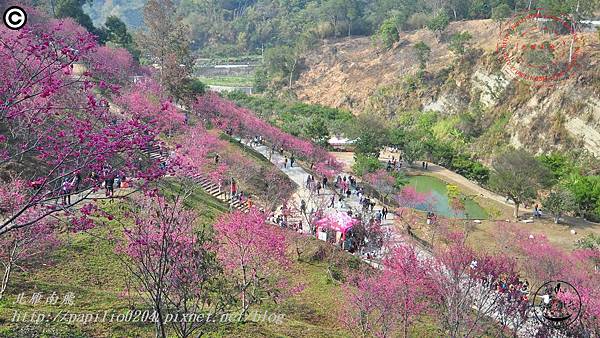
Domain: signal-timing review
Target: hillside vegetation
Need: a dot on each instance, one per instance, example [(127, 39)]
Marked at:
[(229, 27), (357, 75)]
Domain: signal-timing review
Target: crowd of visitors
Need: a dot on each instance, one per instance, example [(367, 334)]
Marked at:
[(394, 164), (108, 180)]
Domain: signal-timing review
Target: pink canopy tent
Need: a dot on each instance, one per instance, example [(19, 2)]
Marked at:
[(337, 221)]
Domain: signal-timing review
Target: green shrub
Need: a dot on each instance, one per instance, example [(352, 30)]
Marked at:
[(470, 169), (591, 241), (364, 164), (586, 190)]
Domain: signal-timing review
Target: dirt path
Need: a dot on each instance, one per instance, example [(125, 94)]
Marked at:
[(482, 196), (442, 173)]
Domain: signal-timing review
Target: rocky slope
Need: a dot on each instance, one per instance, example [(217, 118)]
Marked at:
[(356, 74)]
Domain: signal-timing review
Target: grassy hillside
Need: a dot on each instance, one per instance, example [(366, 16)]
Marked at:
[(87, 265)]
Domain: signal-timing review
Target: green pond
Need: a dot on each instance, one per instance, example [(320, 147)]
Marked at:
[(439, 194)]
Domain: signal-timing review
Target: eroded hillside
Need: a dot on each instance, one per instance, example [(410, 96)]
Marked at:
[(356, 74)]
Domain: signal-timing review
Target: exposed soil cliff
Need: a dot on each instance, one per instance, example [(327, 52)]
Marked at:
[(356, 74)]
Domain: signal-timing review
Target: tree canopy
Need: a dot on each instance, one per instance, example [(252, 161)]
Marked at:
[(224, 27), (519, 176)]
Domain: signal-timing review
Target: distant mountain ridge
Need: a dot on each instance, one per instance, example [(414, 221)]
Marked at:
[(130, 11)]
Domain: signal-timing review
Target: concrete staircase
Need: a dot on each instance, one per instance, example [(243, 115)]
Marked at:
[(156, 153)]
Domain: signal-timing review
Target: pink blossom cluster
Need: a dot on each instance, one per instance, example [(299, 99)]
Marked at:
[(252, 252), (54, 125), (228, 116), (146, 100)]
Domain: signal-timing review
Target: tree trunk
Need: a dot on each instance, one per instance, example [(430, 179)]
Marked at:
[(556, 218), (292, 71), (335, 28), (160, 325), (53, 8), (8, 268), (5, 279), (245, 306), (576, 17), (516, 210)]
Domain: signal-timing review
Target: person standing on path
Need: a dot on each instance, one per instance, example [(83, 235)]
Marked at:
[(285, 162), (342, 202), (109, 185), (332, 203), (233, 188), (66, 191), (75, 182), (303, 207), (292, 160), (324, 181)]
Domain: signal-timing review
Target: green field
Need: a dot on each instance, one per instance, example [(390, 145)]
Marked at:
[(228, 81)]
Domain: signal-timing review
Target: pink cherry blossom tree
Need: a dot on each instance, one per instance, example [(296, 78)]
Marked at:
[(386, 303), (584, 275), (195, 147), (146, 100), (411, 276), (472, 287), (21, 247), (253, 254), (170, 264), (409, 200), (54, 125), (409, 197), (242, 122), (371, 304), (543, 261), (382, 181), (111, 65)]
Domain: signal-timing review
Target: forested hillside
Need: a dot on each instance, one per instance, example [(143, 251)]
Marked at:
[(479, 100), (246, 26)]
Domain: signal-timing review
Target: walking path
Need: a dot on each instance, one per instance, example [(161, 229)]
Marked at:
[(459, 180), (299, 176), (470, 187), (155, 153)]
